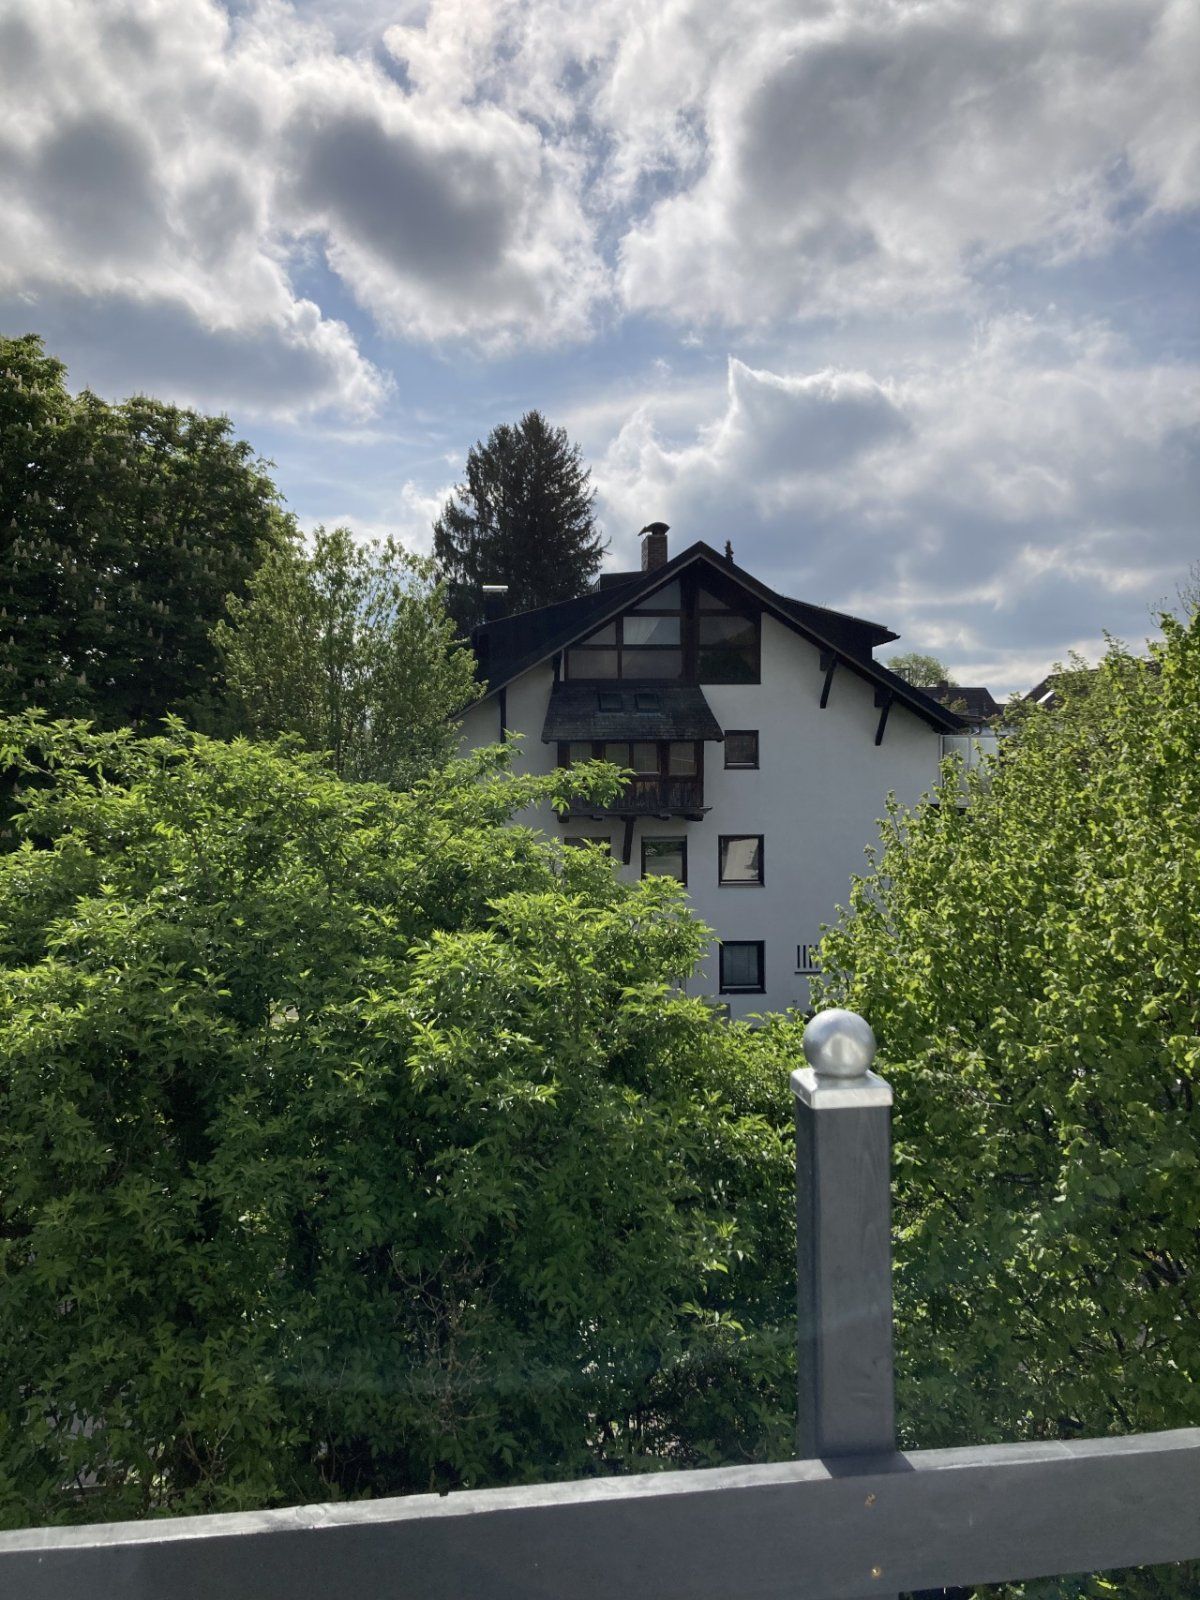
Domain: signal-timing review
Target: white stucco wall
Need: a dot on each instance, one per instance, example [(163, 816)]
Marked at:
[(821, 785)]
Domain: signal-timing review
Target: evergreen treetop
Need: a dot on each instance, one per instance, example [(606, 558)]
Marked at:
[(523, 517)]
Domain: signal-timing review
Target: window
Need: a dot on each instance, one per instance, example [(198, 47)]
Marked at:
[(741, 748), (647, 642), (666, 857), (806, 958), (606, 700), (645, 758), (668, 598), (682, 760), (742, 966), (647, 702), (741, 858), (727, 649)]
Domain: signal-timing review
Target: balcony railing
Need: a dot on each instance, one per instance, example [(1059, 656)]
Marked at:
[(649, 797)]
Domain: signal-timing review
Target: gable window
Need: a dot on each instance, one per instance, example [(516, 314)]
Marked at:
[(727, 643), (647, 642), (741, 962), (741, 858), (741, 749), (665, 857)]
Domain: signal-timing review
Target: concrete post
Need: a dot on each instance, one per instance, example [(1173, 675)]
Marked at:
[(843, 1246)]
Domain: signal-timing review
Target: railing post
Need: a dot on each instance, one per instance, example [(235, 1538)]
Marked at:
[(843, 1242)]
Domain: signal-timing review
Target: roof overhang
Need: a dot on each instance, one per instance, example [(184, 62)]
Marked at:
[(868, 669), (628, 710)]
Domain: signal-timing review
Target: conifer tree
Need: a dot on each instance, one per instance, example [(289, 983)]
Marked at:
[(523, 517), (122, 530)]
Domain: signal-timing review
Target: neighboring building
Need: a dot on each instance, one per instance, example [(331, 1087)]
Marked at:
[(975, 705), (764, 736)]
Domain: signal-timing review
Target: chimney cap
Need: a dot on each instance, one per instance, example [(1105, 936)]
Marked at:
[(655, 527), (494, 588)]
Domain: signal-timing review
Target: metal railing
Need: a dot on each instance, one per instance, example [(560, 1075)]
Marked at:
[(852, 1518)]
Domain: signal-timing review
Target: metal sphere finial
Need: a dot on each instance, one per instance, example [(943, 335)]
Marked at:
[(839, 1044)]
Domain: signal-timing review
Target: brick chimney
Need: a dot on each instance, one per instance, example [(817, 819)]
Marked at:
[(654, 548)]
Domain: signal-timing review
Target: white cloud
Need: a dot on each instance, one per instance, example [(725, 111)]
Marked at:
[(1039, 488), (863, 156), (165, 155)]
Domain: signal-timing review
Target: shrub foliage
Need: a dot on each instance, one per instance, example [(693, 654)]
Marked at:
[(1031, 964), (352, 1142)]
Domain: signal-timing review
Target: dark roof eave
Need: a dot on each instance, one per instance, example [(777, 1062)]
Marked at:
[(872, 671)]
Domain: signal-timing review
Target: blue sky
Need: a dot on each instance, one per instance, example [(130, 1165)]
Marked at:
[(897, 295)]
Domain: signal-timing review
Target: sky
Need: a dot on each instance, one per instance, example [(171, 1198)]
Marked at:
[(898, 296)]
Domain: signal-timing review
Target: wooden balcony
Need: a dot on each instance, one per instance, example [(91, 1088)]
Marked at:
[(653, 797)]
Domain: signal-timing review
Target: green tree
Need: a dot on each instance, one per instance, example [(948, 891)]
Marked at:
[(122, 530), (523, 517), (1031, 965), (924, 672), (355, 1142), (351, 648)]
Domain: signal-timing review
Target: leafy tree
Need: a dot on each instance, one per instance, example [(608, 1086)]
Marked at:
[(352, 649), (523, 517), (924, 672), (122, 530), (353, 1142), (1030, 964)]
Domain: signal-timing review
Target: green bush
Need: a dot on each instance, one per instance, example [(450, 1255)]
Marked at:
[(1031, 966), (352, 1142)]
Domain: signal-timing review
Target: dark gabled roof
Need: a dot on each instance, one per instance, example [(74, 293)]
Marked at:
[(629, 710), (512, 645), (977, 704)]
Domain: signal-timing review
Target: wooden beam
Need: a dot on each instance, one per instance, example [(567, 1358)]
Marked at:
[(801, 1530), (627, 841), (883, 699), (828, 662), (502, 699)]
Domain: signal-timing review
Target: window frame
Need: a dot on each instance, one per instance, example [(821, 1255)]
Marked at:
[(663, 774), (699, 597), (741, 883), (738, 988), (741, 766), (667, 838)]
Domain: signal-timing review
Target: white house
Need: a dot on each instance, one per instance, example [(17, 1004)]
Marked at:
[(764, 735)]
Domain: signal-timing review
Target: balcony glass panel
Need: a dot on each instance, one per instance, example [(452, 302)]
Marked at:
[(645, 756), (681, 760), (618, 754)]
